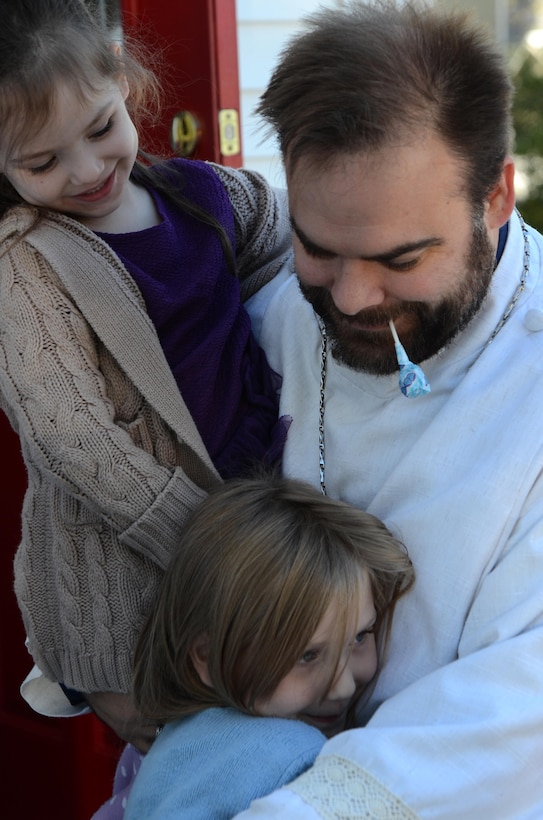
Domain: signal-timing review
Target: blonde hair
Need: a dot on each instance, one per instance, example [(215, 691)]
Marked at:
[(259, 563)]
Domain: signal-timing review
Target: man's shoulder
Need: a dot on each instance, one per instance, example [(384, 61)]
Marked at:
[(267, 304)]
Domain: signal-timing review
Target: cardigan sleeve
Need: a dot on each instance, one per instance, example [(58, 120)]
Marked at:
[(262, 226)]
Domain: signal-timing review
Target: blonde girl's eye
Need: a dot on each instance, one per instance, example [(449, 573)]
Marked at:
[(361, 637), (309, 656)]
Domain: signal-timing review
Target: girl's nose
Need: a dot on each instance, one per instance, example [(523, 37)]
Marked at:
[(344, 686), (87, 168)]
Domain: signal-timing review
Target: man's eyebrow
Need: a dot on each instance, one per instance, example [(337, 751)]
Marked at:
[(387, 256), (306, 242), (407, 247)]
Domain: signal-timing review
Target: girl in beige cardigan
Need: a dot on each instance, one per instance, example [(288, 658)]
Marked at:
[(95, 373)]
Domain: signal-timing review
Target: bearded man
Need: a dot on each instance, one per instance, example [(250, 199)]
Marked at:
[(395, 128)]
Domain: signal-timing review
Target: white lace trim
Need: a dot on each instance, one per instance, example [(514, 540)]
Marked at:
[(338, 789)]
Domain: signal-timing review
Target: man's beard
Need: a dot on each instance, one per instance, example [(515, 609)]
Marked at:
[(431, 327)]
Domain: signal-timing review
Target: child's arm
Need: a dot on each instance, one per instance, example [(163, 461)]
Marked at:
[(263, 232), (106, 499)]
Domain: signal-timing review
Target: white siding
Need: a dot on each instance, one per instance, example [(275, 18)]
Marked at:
[(263, 28)]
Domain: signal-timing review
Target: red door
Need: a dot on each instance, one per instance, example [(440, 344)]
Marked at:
[(201, 81), (64, 768)]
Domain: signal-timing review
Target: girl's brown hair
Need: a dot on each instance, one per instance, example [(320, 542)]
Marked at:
[(44, 43), (260, 561)]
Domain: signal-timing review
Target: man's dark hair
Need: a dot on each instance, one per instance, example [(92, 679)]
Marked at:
[(364, 77)]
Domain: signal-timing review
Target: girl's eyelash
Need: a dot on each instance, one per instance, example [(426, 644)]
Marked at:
[(41, 169), (103, 131), (309, 656), (361, 635)]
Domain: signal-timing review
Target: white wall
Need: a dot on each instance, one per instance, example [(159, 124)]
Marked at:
[(263, 28)]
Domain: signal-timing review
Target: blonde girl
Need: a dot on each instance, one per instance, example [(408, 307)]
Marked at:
[(269, 627)]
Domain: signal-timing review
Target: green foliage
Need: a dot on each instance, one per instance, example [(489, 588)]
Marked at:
[(528, 122)]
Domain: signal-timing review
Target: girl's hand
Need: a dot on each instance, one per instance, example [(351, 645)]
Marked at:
[(119, 713)]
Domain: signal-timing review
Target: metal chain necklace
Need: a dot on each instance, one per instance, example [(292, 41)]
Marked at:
[(324, 348)]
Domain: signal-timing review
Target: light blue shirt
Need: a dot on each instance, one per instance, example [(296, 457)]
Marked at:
[(213, 764)]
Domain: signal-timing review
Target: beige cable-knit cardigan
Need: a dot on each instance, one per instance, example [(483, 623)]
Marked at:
[(114, 459)]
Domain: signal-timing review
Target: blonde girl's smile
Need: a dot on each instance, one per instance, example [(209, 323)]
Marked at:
[(80, 164), (320, 689)]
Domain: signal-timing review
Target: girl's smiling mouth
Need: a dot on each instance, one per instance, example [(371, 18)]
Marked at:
[(98, 192)]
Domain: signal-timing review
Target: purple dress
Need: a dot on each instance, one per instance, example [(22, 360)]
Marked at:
[(194, 302)]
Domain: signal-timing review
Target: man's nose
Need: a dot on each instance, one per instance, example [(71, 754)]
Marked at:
[(358, 285)]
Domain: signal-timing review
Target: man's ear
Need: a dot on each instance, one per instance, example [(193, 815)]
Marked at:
[(199, 653), (501, 201)]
